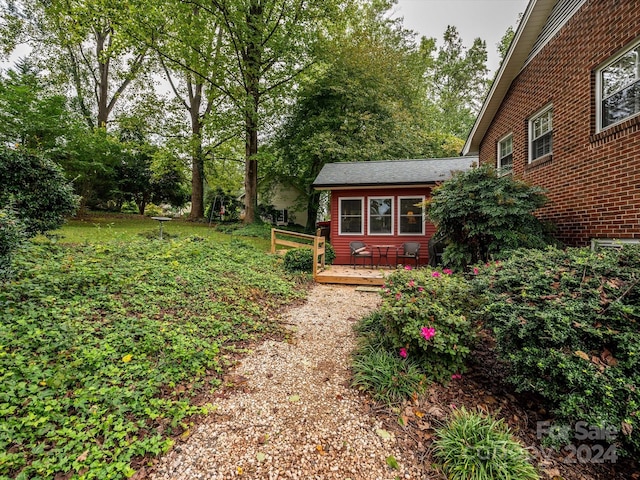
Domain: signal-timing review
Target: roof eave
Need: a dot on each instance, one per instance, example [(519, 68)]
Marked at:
[(533, 21)]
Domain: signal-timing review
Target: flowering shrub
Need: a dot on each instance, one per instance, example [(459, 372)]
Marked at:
[(424, 317), (567, 324)]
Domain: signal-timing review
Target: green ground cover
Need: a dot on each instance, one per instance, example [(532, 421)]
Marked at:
[(106, 348)]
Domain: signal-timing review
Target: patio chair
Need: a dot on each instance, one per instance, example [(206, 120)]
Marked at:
[(409, 250), (359, 250)]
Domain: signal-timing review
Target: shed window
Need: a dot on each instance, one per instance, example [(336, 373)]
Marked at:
[(381, 216), (411, 216), (619, 88), (351, 216), (541, 134)]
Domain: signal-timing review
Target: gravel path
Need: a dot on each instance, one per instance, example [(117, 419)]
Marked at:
[(292, 413)]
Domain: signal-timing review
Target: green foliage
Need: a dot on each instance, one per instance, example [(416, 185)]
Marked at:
[(36, 189), (12, 236), (476, 447), (153, 210), (259, 230), (567, 324), (424, 313), (482, 214), (301, 259), (103, 348), (386, 376)]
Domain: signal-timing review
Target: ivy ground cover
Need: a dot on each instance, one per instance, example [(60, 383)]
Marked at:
[(104, 347)]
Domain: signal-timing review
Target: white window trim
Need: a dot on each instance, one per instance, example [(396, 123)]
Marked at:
[(369, 215), (608, 63), (422, 219), (501, 170), (362, 203), (530, 140)]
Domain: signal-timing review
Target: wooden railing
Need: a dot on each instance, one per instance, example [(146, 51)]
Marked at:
[(314, 242)]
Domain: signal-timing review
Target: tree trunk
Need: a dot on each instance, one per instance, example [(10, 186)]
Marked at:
[(251, 171), (197, 160), (103, 85), (312, 211)]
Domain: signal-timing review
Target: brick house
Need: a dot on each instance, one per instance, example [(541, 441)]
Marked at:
[(378, 203), (564, 114)]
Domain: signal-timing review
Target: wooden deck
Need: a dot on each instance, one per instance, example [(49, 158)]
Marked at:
[(346, 274)]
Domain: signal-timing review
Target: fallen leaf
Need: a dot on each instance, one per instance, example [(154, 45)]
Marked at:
[(392, 462), (581, 354), (294, 398), (239, 470), (186, 434), (627, 428), (82, 457), (320, 450), (553, 473), (383, 434), (260, 456), (419, 414), (403, 420), (127, 358)]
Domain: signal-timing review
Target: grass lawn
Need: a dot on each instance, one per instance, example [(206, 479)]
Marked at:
[(98, 228), (110, 341)]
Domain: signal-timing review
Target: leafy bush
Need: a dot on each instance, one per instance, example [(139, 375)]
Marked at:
[(36, 189), (153, 210), (259, 230), (567, 323), (476, 447), (385, 375), (424, 314), (11, 237), (481, 214), (301, 259)]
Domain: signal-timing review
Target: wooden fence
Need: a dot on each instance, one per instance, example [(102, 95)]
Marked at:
[(301, 240)]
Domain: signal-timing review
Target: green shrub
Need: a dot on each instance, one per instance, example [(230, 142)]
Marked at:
[(424, 313), (567, 324), (482, 213), (152, 210), (476, 447), (12, 235), (301, 259), (37, 190), (386, 376), (259, 230)]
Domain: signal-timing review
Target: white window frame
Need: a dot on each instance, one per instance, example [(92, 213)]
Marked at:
[(546, 110), (600, 85), (388, 197), (420, 218), (362, 215), (501, 169)]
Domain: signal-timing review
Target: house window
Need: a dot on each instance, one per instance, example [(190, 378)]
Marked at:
[(381, 216), (411, 216), (351, 216), (505, 155), (541, 134), (619, 88)]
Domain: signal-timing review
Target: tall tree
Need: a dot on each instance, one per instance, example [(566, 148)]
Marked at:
[(458, 80), (363, 101), (80, 44)]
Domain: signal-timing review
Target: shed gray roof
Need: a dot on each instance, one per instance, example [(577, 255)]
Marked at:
[(391, 172)]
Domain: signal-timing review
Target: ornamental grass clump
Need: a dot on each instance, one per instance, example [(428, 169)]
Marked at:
[(472, 446), (425, 319)]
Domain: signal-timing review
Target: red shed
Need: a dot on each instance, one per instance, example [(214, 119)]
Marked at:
[(378, 203)]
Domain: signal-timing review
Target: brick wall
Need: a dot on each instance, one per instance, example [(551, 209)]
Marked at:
[(593, 179)]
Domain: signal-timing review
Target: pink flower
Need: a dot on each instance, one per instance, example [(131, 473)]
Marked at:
[(428, 333), (456, 376), (408, 267), (447, 271), (412, 283), (403, 352), (476, 271), (398, 296), (435, 274), (420, 289)]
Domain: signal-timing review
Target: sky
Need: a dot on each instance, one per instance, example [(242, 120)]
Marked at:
[(487, 19)]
